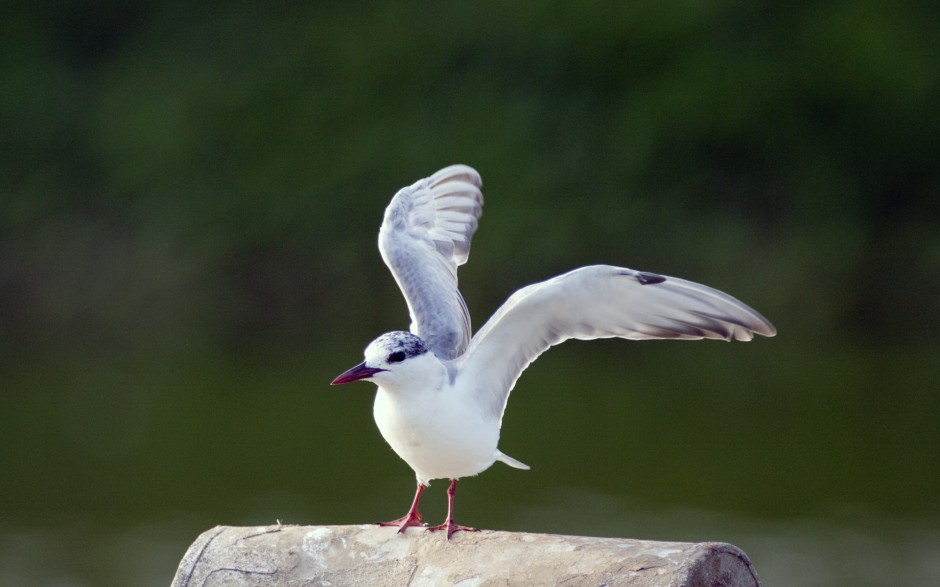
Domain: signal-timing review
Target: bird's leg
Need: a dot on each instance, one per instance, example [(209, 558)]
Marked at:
[(449, 524), (412, 518)]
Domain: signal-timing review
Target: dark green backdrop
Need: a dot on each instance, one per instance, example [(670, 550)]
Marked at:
[(189, 200)]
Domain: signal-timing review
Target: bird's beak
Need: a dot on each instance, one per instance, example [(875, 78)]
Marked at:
[(358, 372)]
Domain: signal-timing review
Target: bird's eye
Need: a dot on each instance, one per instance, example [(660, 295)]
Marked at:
[(396, 357)]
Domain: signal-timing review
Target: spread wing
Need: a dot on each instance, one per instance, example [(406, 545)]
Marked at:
[(424, 237), (599, 301)]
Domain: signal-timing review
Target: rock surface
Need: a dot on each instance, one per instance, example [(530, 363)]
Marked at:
[(302, 556)]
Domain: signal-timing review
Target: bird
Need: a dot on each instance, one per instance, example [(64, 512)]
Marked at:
[(442, 392)]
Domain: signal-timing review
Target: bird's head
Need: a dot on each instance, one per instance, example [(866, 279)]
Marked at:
[(391, 360)]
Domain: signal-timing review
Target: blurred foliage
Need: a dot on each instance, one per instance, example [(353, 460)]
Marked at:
[(216, 174), (191, 193)]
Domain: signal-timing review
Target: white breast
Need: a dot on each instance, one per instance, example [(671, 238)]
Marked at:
[(436, 433)]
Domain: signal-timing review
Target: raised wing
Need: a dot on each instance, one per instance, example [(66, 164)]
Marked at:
[(598, 301), (424, 237)]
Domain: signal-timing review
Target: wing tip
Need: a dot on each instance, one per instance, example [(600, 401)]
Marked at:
[(456, 172), (742, 329)]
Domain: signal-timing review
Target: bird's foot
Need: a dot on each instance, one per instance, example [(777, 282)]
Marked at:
[(406, 521), (451, 526)]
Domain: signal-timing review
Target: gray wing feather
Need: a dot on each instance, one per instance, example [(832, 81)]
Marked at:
[(598, 301), (424, 237)]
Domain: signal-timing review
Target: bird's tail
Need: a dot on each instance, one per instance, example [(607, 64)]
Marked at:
[(511, 461)]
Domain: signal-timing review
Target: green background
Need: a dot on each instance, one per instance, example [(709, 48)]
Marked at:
[(190, 198)]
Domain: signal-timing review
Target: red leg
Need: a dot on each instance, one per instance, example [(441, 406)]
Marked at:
[(412, 518), (450, 525)]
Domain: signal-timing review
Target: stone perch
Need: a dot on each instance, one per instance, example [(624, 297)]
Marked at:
[(308, 556)]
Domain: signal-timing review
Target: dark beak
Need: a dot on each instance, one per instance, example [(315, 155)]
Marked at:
[(358, 372)]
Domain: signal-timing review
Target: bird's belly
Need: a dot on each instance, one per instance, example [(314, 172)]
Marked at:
[(435, 439)]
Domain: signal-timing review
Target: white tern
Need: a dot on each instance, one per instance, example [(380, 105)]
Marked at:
[(442, 393)]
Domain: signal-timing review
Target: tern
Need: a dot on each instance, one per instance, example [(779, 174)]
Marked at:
[(442, 393)]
